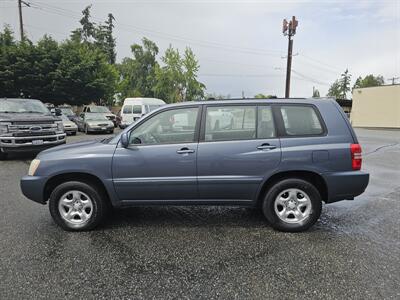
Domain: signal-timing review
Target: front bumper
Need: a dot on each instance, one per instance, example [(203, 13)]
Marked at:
[(345, 185), (29, 143), (71, 130), (33, 188)]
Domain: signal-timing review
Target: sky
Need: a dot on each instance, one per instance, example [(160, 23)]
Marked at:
[(239, 44)]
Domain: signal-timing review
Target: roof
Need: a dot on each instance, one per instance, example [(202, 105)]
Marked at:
[(255, 101)]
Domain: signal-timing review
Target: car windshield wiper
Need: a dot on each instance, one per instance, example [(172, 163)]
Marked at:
[(8, 112), (33, 112)]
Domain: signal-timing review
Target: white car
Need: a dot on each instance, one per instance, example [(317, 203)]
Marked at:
[(70, 127), (134, 108)]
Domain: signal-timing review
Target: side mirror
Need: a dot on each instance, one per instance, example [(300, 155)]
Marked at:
[(58, 112), (125, 140)]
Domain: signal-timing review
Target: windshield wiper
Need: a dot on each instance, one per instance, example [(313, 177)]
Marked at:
[(8, 112), (33, 112)]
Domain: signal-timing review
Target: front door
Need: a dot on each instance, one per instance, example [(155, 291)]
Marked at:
[(237, 149), (160, 162)]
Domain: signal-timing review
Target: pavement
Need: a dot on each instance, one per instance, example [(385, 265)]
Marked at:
[(208, 252)]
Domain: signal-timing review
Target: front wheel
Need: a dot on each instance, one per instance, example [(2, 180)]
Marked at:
[(292, 205), (77, 206)]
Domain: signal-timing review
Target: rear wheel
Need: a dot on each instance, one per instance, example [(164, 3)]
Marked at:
[(77, 206), (292, 205)]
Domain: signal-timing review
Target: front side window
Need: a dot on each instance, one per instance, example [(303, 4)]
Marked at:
[(137, 109), (168, 127), (301, 120), (127, 109), (230, 123)]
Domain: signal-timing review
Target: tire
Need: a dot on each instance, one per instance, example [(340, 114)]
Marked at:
[(85, 215), (73, 133), (292, 205)]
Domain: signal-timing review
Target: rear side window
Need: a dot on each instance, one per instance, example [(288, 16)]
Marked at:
[(137, 109), (301, 120), (127, 109), (230, 123), (265, 126)]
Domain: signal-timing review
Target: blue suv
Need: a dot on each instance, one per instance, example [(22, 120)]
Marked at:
[(286, 156)]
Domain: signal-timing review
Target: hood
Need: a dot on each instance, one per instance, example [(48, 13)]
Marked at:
[(69, 123), (75, 150), (14, 117)]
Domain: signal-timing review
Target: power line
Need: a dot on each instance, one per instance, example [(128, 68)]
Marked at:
[(129, 28)]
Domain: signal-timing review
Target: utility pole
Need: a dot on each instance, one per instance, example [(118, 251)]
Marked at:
[(289, 29), (21, 24), (393, 79)]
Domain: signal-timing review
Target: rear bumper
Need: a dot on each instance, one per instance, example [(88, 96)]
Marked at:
[(345, 185), (33, 188)]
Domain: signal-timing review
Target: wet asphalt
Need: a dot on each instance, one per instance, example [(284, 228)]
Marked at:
[(208, 252)]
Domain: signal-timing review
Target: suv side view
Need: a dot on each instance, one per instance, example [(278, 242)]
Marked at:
[(285, 156)]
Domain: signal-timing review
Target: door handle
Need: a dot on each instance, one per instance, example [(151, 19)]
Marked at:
[(184, 150), (266, 146)]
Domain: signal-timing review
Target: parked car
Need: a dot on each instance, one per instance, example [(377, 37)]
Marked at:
[(101, 110), (27, 125), (134, 108), (70, 127), (67, 111), (94, 122), (283, 156)]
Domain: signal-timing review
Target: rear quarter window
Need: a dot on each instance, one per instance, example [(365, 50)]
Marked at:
[(299, 120)]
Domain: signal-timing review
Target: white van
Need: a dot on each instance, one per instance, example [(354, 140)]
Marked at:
[(134, 108)]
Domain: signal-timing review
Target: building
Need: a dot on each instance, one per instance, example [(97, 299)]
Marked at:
[(376, 107), (346, 105)]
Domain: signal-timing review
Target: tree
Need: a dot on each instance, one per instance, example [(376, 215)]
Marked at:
[(341, 86), (193, 88), (138, 74), (335, 90), (368, 81), (104, 39), (71, 72), (84, 75), (177, 80), (344, 82), (169, 78)]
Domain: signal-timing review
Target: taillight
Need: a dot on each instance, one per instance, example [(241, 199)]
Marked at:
[(356, 158)]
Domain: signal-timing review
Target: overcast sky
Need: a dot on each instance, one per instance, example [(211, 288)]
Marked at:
[(240, 44)]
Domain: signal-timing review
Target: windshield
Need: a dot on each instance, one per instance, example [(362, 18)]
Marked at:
[(66, 111), (22, 106), (64, 117), (99, 109), (95, 117)]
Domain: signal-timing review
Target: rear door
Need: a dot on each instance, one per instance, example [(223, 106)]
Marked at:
[(238, 147)]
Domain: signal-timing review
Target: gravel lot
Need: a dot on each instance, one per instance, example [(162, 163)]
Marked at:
[(208, 252)]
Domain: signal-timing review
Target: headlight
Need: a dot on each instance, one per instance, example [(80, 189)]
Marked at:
[(4, 127), (60, 126), (33, 167)]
